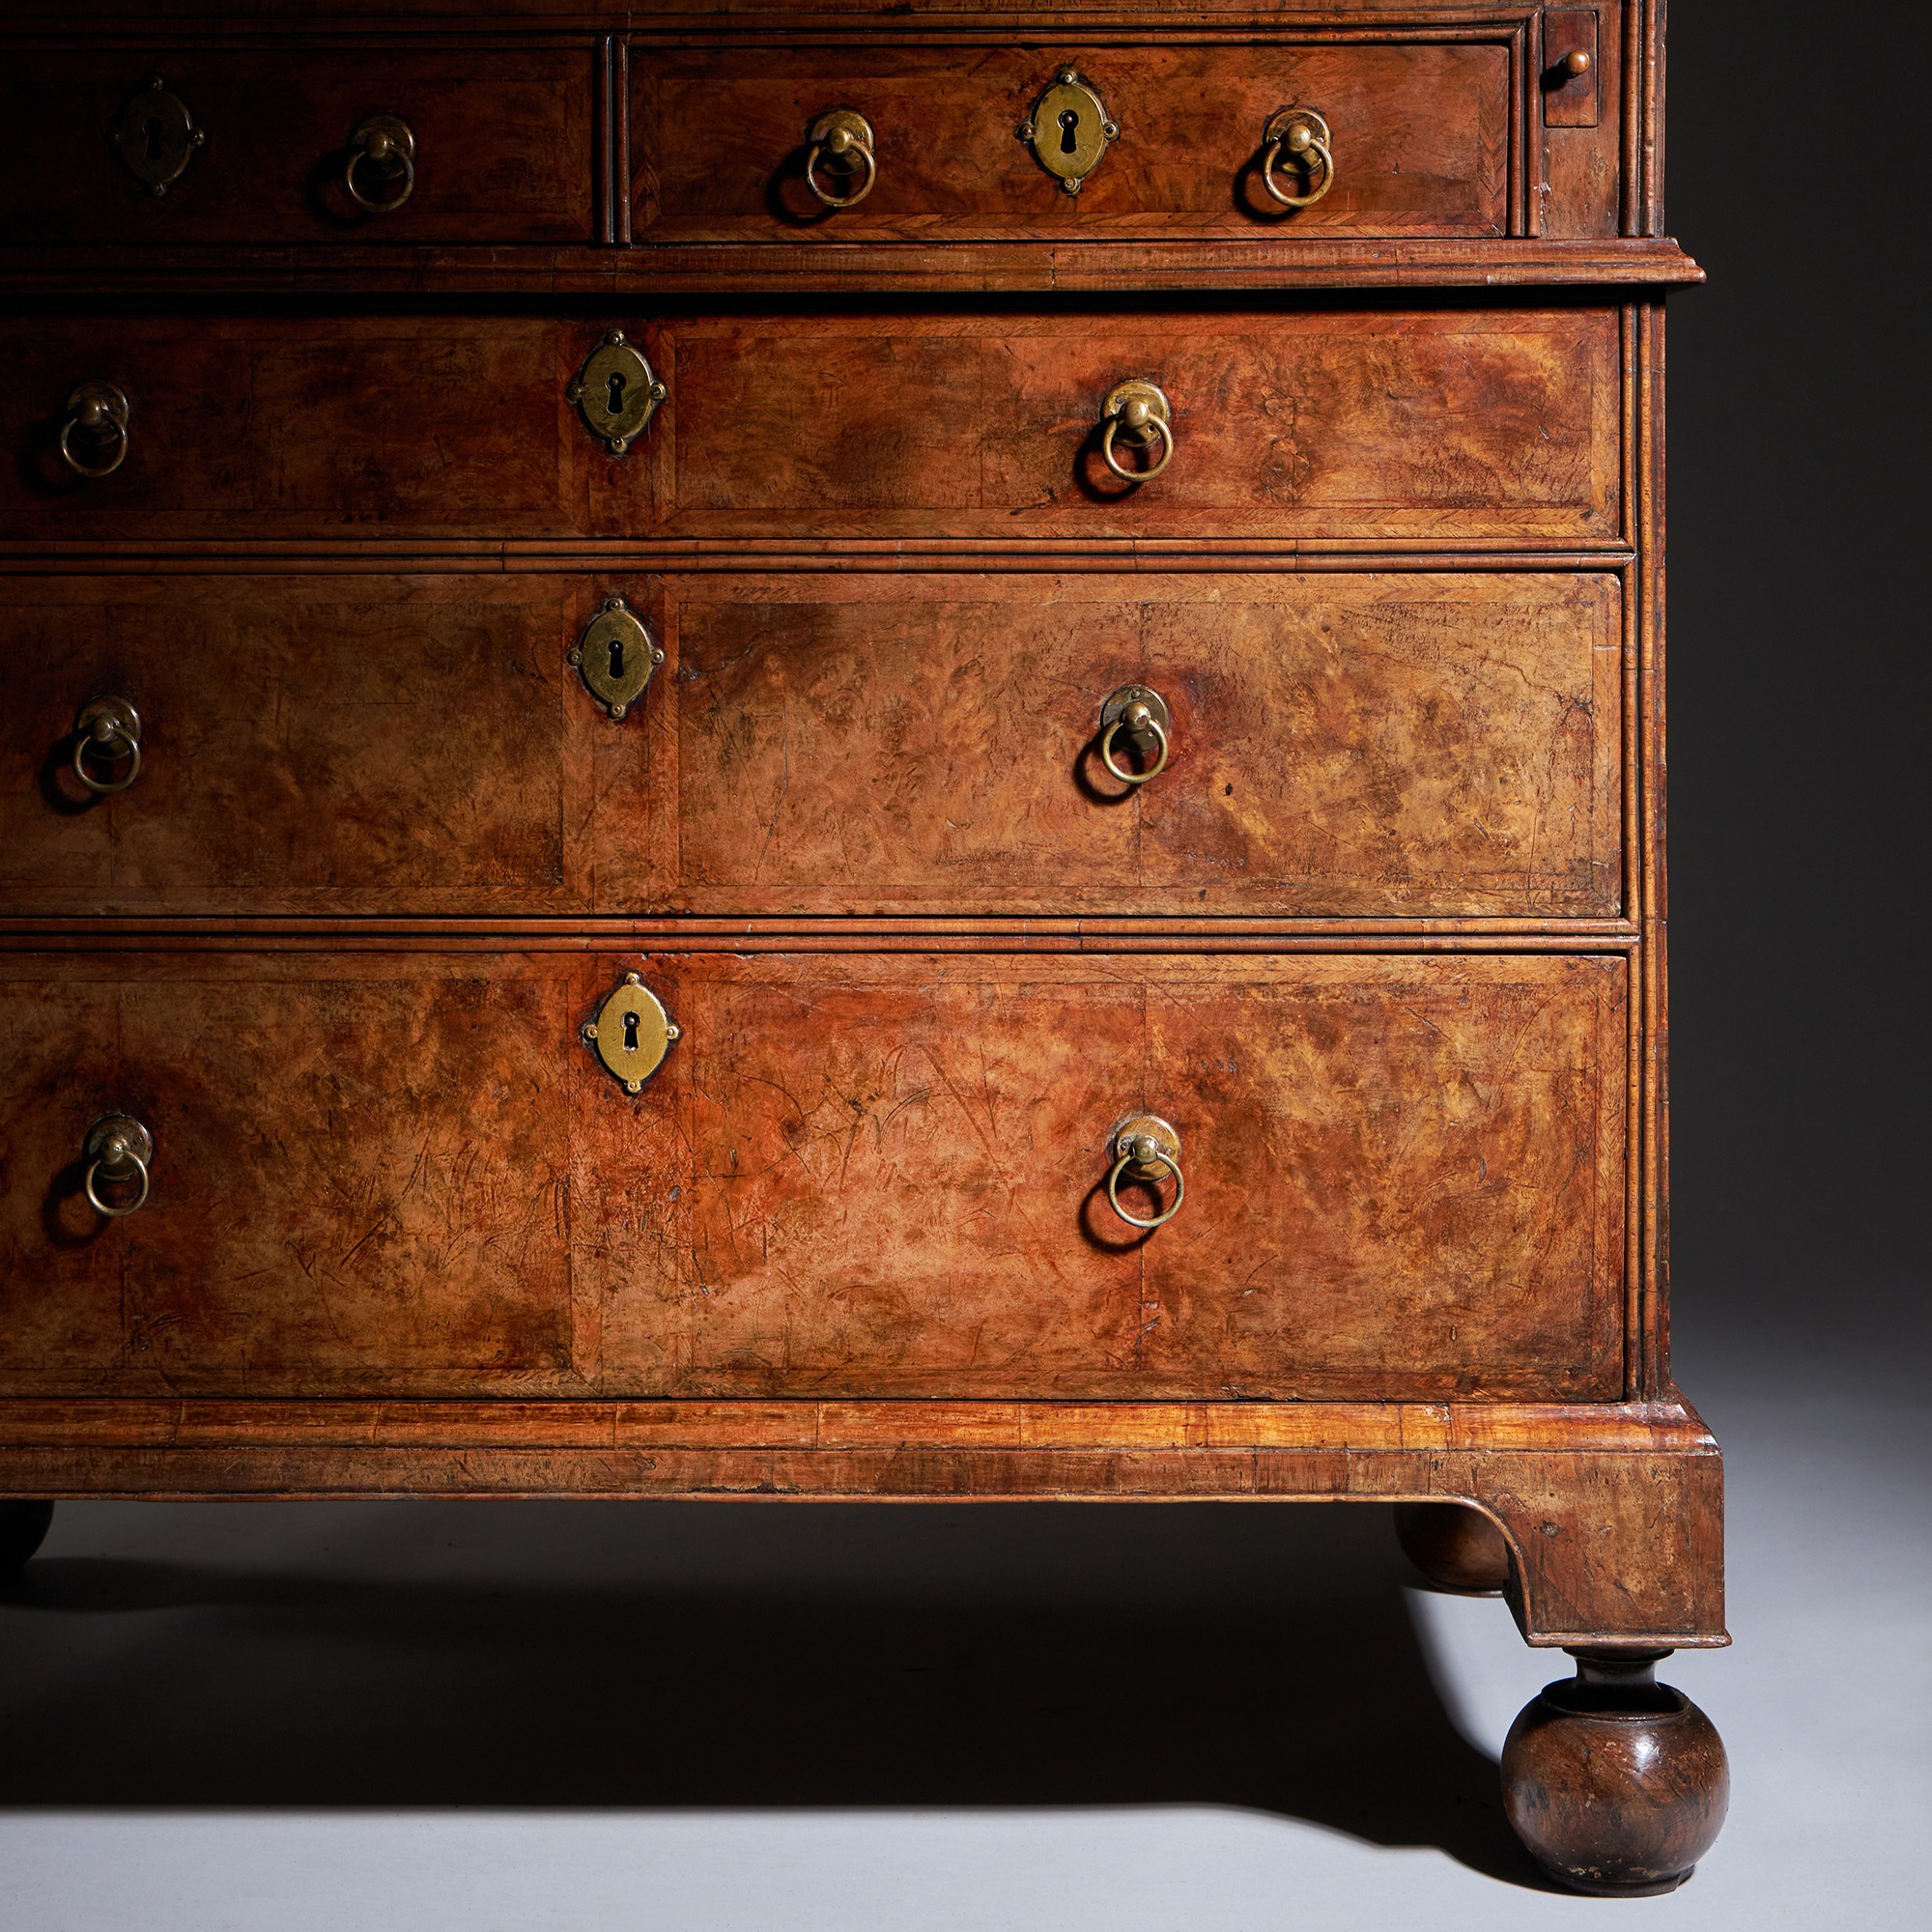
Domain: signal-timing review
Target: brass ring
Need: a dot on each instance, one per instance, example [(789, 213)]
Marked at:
[(100, 1207), (840, 143), (131, 752), (360, 153), (1315, 147), (1120, 1166), (1154, 468), (81, 468), (1122, 723)]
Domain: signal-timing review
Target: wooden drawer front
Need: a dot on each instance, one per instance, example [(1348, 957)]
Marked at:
[(503, 145), (1339, 745), (820, 744), (1423, 138), (329, 1211), (853, 1175), (1437, 427)]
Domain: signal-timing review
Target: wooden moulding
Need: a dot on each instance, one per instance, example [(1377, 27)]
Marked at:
[(1613, 1514)]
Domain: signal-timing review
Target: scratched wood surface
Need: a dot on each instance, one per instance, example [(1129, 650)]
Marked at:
[(503, 144), (1424, 744), (1420, 427), (1422, 139), (853, 1175)]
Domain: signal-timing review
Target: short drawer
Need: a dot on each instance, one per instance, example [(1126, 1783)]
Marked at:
[(239, 145), (1335, 744), (1420, 138), (852, 1175), (1418, 427)]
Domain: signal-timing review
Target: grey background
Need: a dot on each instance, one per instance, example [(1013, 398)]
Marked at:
[(1222, 1719)]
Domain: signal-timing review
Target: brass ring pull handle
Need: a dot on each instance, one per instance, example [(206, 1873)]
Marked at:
[(1303, 135), (1136, 412), (98, 411), (842, 134), (389, 144), (1141, 717), (117, 1147), (1146, 1148), (110, 729)]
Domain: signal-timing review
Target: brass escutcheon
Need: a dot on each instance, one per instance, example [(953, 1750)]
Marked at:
[(615, 657), (1301, 137), (1138, 714), (117, 1148), (108, 730), (157, 136), (632, 1032), (616, 393), (1145, 1147), (1069, 130), (387, 145), (843, 134)]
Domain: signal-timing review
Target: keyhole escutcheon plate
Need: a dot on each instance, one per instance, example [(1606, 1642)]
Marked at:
[(615, 657), (616, 393), (1069, 130), (157, 136), (632, 1032)]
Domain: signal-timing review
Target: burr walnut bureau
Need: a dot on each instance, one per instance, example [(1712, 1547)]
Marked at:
[(872, 752)]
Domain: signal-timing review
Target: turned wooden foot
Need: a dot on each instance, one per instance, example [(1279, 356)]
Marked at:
[(23, 1525), (1616, 1783), (1453, 1545)]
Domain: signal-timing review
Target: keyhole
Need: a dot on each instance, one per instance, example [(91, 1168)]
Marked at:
[(616, 659), (630, 1033), (1069, 132), (152, 129), (614, 387)]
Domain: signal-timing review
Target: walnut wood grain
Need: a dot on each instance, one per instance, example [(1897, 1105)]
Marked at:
[(853, 1175), (1360, 428), (503, 144), (1424, 132), (1436, 746)]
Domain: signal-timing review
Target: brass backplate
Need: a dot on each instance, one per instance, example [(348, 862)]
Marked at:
[(157, 136), (1120, 703), (632, 1032), (1069, 130), (1147, 1126), (616, 393), (136, 1142), (615, 657)]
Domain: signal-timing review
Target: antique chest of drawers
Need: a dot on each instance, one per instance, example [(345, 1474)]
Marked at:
[(900, 753)]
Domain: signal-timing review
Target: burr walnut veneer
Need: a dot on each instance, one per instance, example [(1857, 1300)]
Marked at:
[(895, 753)]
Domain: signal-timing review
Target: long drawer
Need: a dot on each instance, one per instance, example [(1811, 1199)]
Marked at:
[(1337, 743), (410, 1173), (1427, 427), (1419, 139)]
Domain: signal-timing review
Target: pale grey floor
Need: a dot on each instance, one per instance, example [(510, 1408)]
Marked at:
[(735, 1719)]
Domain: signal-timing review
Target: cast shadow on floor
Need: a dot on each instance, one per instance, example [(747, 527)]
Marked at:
[(711, 1656)]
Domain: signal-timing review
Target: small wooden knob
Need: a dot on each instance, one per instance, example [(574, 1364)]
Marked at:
[(1575, 63)]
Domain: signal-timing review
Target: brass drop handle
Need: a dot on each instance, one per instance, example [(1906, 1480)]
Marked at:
[(387, 144), (1302, 135), (1136, 413), (110, 730), (1141, 717), (843, 134), (98, 411), (1146, 1148), (118, 1150)]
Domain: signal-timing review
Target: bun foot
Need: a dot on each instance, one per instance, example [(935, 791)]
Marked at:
[(1453, 1545), (22, 1527), (1617, 1784)]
